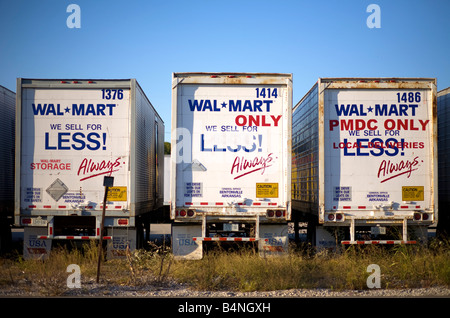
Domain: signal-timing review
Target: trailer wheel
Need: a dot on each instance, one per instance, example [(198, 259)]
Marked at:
[(5, 237), (140, 239)]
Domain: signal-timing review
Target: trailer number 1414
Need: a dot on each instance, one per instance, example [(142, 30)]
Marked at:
[(266, 92)]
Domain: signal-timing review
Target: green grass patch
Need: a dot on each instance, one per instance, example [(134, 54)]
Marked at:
[(401, 266)]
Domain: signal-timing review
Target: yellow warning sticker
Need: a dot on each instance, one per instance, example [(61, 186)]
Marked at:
[(413, 193), (117, 194), (267, 190)]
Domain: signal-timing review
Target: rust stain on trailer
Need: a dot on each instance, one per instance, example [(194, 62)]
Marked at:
[(376, 83), (235, 78)]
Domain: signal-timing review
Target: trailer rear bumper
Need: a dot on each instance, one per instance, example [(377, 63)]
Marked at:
[(226, 239), (188, 238), (38, 242), (375, 242), (373, 231)]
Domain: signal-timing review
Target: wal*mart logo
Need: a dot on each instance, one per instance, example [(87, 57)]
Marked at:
[(74, 110)]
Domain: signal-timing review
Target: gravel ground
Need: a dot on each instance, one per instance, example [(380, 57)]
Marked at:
[(176, 290)]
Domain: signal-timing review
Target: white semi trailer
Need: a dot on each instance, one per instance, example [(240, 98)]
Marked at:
[(364, 163), (70, 134), (231, 161)]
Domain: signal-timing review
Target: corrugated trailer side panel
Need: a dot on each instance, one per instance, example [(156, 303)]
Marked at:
[(443, 104), (149, 158), (7, 127), (305, 154), (7, 124)]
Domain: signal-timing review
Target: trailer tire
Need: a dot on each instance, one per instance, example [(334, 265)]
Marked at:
[(5, 237)]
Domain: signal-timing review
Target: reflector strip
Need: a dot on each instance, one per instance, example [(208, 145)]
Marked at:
[(226, 239), (223, 203), (66, 207), (69, 237), (364, 207), (377, 242)]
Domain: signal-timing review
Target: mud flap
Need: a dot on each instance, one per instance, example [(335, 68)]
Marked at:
[(183, 246), (34, 248), (121, 239), (324, 239), (273, 240), (419, 233)]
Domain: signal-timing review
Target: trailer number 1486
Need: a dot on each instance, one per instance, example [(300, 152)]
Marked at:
[(410, 97)]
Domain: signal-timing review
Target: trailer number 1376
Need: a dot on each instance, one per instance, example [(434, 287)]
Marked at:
[(112, 93), (266, 92)]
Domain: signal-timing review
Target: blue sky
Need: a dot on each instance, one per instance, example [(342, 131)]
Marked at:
[(149, 40)]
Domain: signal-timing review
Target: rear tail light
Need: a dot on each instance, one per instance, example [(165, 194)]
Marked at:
[(421, 216), (275, 213), (185, 213), (26, 221), (336, 217)]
